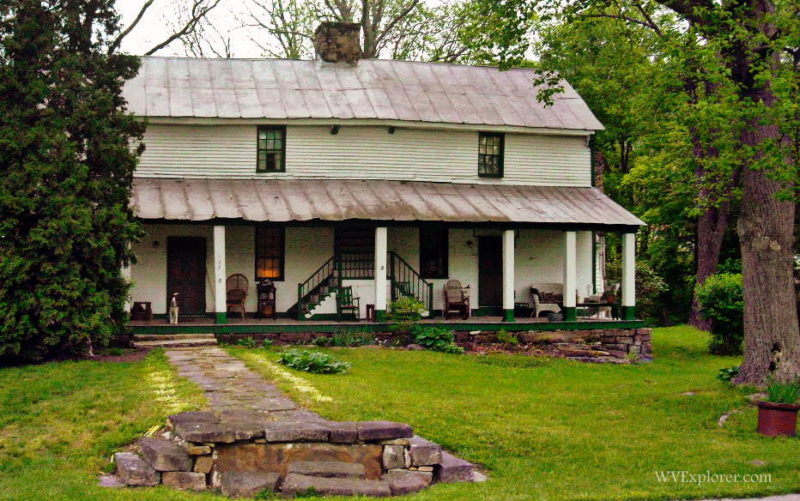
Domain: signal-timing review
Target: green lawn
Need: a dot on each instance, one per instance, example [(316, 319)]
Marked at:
[(542, 430)]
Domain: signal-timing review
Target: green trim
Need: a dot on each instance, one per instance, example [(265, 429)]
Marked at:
[(380, 315), (488, 311), (222, 317), (629, 312), (268, 327), (570, 314), (508, 315)]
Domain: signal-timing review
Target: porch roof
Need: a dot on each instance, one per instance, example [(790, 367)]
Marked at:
[(286, 200)]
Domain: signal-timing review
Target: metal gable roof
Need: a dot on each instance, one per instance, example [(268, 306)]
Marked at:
[(373, 89), (345, 199)]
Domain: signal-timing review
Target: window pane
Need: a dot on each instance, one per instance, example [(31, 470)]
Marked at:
[(269, 252), (490, 154), (271, 146), (433, 243)]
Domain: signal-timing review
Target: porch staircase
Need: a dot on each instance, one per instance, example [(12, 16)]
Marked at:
[(323, 283), (173, 340)]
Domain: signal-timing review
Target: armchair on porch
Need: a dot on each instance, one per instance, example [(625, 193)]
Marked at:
[(456, 299), (546, 298), (346, 303), (236, 293)]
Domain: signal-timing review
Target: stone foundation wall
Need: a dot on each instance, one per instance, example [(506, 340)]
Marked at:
[(591, 345)]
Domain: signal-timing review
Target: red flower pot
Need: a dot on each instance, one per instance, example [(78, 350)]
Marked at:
[(777, 419)]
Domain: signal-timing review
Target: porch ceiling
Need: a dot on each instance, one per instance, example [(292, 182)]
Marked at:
[(349, 199)]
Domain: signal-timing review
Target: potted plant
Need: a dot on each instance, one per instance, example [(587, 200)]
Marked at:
[(777, 415)]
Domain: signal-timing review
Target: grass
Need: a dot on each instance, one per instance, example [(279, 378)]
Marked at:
[(558, 430), (543, 429), (61, 422)]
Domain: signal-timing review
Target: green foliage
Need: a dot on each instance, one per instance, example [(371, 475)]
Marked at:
[(435, 338), (247, 342), (346, 338), (783, 392), (727, 374), (721, 299), (406, 309), (67, 162), (266, 343), (313, 361), (506, 337)]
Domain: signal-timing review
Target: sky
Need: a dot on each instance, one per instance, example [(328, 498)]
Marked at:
[(155, 26)]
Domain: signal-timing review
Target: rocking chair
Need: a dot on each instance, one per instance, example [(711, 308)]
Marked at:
[(456, 299), (236, 293)]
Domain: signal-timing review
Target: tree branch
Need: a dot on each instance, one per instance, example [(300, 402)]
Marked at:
[(117, 41), (198, 13)]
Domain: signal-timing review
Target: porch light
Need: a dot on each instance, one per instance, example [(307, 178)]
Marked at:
[(334, 130)]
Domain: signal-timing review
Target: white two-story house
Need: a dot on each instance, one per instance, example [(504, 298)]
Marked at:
[(387, 178)]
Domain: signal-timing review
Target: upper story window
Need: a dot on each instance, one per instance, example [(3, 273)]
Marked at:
[(271, 149), (490, 154)]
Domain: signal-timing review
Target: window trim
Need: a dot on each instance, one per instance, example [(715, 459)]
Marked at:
[(282, 129), (256, 256), (445, 231), (501, 157)]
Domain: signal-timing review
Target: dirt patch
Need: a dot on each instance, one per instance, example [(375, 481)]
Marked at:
[(128, 356)]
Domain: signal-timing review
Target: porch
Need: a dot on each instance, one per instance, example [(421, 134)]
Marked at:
[(500, 242)]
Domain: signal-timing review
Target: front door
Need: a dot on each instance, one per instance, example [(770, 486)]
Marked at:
[(490, 271), (186, 273)]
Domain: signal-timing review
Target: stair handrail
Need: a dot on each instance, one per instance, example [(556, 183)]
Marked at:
[(313, 281), (402, 272)]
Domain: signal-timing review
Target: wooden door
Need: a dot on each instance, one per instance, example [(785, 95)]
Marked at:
[(186, 273), (490, 271)]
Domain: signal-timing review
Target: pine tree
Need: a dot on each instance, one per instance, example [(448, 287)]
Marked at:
[(67, 171)]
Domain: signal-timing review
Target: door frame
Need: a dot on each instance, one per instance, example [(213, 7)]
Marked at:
[(499, 240), (202, 285)]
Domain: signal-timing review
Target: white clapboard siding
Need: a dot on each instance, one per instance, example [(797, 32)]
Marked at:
[(364, 152)]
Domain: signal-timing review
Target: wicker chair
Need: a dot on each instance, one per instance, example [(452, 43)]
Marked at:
[(236, 293), (456, 299), (546, 298)]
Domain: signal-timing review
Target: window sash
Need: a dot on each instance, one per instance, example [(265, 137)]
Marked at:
[(490, 154), (434, 252), (271, 149), (270, 252)]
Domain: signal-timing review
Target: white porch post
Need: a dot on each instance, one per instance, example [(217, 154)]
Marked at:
[(125, 273), (381, 249), (570, 275), (508, 275), (629, 276), (220, 307)]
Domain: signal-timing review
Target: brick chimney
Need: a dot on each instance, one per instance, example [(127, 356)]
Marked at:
[(338, 42)]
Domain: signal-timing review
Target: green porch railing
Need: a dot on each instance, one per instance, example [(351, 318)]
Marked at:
[(407, 282), (318, 286)]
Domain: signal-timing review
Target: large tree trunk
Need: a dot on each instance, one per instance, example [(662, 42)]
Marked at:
[(711, 227)]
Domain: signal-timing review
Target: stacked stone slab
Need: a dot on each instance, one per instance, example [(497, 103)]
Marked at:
[(246, 452)]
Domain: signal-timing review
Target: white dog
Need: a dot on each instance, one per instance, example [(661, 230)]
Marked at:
[(173, 309)]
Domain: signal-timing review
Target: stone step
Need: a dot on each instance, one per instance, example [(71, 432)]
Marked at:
[(295, 484), (329, 469), (175, 343), (453, 469), (170, 337)]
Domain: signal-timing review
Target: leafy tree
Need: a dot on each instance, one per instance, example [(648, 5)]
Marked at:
[(746, 109), (67, 162)]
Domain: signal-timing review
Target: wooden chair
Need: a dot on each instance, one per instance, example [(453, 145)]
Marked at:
[(236, 293), (346, 303), (456, 299)]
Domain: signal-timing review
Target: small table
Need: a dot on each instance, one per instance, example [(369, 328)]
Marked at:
[(597, 307), (142, 310)]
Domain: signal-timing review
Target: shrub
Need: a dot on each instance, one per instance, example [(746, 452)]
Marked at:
[(313, 361), (783, 393), (506, 337), (435, 338), (721, 300), (727, 374), (266, 343), (247, 342), (406, 309)]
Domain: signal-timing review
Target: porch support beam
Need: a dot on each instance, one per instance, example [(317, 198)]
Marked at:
[(220, 307), (628, 276), (125, 274), (381, 251), (570, 275), (508, 275)]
